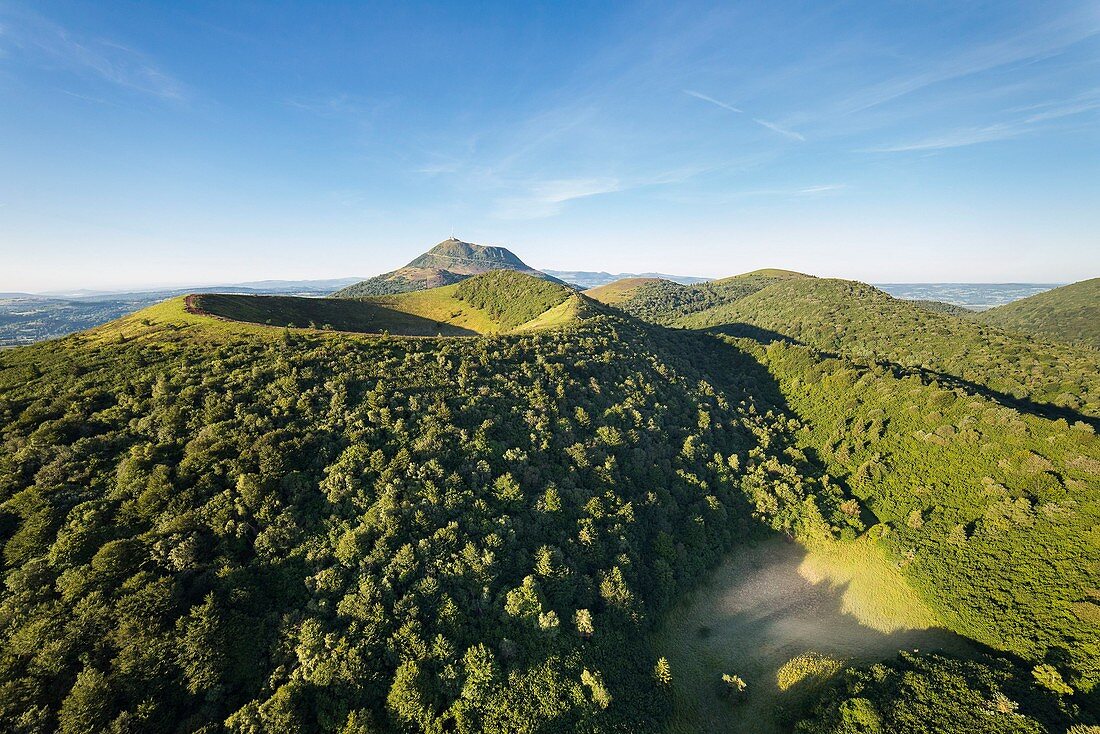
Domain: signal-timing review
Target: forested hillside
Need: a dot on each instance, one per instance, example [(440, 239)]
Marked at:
[(861, 322), (991, 513), (1070, 314), (211, 523), (304, 531), (664, 301), (941, 307)]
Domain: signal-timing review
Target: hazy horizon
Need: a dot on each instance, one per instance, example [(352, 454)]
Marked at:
[(153, 286), (885, 143)]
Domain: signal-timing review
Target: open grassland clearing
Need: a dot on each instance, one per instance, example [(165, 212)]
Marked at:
[(784, 618)]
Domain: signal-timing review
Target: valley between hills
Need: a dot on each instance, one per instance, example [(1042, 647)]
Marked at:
[(466, 496)]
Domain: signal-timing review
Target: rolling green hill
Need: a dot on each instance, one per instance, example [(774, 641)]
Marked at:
[(447, 263), (624, 289), (862, 322), (1067, 314), (212, 523), (497, 301), (663, 301)]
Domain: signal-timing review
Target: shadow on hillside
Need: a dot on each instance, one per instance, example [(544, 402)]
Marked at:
[(756, 617), (731, 369), (336, 314), (1024, 405), (756, 333), (1048, 411)]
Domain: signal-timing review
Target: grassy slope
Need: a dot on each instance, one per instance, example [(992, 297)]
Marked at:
[(573, 309), (620, 290), (339, 314), (866, 324), (439, 305), (485, 304), (1070, 314), (171, 319)]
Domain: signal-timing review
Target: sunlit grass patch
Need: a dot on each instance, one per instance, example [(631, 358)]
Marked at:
[(873, 590)]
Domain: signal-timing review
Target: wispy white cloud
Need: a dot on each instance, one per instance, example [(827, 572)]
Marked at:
[(713, 101), (822, 189), (764, 123), (1067, 110), (546, 198), (962, 137), (1040, 42), (782, 131), (88, 98), (53, 46), (953, 139)]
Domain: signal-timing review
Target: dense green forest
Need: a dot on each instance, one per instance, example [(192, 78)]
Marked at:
[(213, 525), (860, 321), (866, 324), (926, 693), (1070, 313), (301, 531), (941, 307)]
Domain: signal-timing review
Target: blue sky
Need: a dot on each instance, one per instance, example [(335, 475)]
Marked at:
[(146, 143)]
